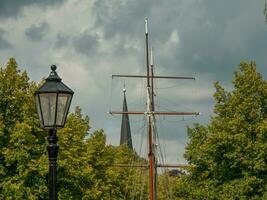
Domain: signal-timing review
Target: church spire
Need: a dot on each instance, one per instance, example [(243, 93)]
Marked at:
[(126, 137)]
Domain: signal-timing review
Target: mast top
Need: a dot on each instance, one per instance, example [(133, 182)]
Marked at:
[(146, 25)]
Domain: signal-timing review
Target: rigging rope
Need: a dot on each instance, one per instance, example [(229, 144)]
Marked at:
[(110, 98)]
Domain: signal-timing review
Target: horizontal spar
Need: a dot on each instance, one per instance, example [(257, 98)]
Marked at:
[(173, 165), (166, 77), (153, 113), (174, 113), (146, 166)]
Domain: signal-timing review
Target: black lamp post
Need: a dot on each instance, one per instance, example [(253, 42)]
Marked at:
[(53, 100)]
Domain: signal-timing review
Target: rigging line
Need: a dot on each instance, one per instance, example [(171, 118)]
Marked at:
[(191, 118), (165, 108), (161, 149), (182, 120), (133, 103), (135, 171), (133, 180), (160, 106), (165, 179), (135, 133), (143, 183), (164, 170), (160, 152), (140, 128), (142, 172), (142, 136), (156, 128), (140, 178), (140, 98), (161, 159), (142, 95), (126, 188), (140, 90), (168, 188), (158, 102), (110, 98), (173, 104), (181, 82), (168, 87)]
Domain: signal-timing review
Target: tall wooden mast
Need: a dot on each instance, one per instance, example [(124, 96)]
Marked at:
[(150, 113), (151, 153)]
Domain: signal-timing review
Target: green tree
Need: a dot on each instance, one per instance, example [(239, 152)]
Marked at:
[(84, 159), (229, 155), (130, 183), (21, 142)]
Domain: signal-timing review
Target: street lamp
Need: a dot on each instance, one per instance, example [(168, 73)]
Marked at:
[(53, 101)]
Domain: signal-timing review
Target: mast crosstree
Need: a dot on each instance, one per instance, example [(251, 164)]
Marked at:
[(150, 116)]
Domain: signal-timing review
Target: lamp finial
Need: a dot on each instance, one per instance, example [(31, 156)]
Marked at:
[(53, 67)]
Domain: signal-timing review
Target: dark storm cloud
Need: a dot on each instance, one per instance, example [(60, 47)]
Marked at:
[(86, 43), (123, 17), (11, 8), (4, 44), (36, 32), (222, 37), (214, 36)]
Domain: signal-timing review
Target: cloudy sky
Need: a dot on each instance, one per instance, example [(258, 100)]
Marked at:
[(91, 40)]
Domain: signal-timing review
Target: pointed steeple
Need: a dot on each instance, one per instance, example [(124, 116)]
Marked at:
[(126, 137)]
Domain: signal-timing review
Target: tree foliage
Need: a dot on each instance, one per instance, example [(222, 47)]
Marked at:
[(84, 159), (228, 156)]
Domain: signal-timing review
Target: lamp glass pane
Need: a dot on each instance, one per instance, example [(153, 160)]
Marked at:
[(38, 109), (48, 106), (62, 108)]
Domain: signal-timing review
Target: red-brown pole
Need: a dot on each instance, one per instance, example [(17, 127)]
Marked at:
[(150, 137)]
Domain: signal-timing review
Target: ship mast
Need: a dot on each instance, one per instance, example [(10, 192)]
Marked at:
[(150, 114)]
